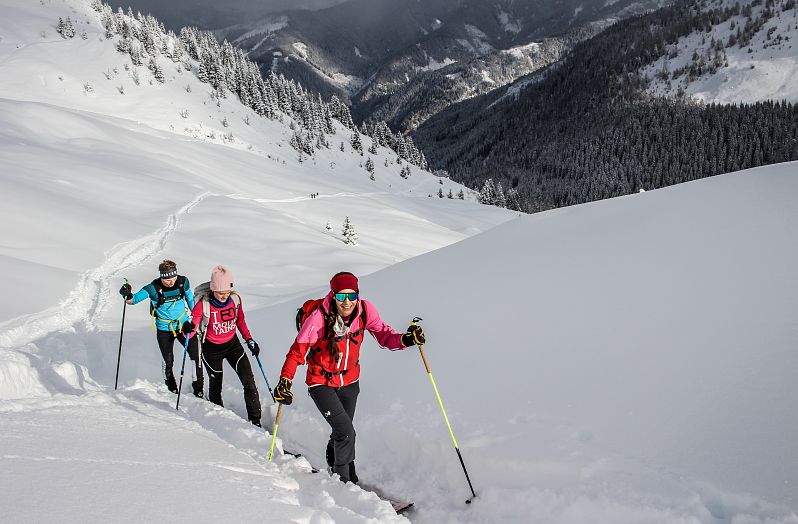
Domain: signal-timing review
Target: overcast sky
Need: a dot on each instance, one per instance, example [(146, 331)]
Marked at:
[(211, 14)]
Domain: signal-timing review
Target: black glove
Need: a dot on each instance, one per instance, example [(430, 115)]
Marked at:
[(126, 291), (188, 327), (253, 347), (282, 393), (414, 335)]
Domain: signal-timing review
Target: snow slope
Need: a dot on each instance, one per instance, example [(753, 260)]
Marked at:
[(626, 361), (765, 69)]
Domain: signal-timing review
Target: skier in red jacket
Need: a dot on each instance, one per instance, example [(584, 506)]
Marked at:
[(329, 343)]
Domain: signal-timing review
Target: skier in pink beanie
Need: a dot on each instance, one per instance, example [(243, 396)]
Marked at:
[(217, 315)]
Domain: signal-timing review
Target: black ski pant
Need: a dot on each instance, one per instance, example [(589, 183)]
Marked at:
[(214, 355), (166, 343), (337, 405)]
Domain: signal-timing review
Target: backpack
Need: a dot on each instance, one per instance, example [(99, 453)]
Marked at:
[(181, 283), (315, 303), (158, 286), (202, 293)]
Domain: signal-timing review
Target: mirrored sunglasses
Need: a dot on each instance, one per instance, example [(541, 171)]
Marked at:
[(340, 297)]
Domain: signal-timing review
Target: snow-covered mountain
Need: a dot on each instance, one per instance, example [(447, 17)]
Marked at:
[(631, 360), (365, 50), (750, 55), (405, 104), (591, 127)]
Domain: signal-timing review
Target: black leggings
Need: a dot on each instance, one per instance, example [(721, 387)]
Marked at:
[(214, 355), (337, 405), (166, 343)]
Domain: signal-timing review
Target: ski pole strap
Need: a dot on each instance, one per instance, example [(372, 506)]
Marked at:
[(274, 433)]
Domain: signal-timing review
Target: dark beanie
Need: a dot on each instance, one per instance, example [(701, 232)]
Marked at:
[(343, 280)]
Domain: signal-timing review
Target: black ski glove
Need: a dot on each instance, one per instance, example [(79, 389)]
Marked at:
[(126, 291), (414, 335), (188, 327), (282, 393), (253, 347)]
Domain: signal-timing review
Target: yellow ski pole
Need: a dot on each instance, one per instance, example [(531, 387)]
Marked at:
[(415, 322), (274, 433)]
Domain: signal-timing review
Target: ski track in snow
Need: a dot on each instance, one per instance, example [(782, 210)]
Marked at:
[(90, 295)]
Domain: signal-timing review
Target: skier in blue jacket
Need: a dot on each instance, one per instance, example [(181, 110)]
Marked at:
[(169, 295)]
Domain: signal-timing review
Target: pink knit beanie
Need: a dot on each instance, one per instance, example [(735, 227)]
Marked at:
[(221, 279)]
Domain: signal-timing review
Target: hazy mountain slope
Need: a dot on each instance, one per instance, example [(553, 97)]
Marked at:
[(586, 129), (209, 14), (751, 57), (373, 48)]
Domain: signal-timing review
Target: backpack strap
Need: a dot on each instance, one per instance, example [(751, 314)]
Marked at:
[(206, 312)]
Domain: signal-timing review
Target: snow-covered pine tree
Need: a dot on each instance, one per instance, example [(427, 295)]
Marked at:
[(349, 233), (65, 28), (156, 70), (370, 165), (513, 200), (499, 200), (461, 195), (487, 195), (355, 142)]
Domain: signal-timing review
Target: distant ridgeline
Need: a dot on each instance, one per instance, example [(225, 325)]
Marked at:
[(227, 69), (586, 129)]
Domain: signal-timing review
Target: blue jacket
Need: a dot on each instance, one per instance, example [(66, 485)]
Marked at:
[(171, 314)]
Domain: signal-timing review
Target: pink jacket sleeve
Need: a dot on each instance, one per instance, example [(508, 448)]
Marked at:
[(382, 332)]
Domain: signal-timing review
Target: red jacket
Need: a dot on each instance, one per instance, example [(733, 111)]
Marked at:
[(310, 348)]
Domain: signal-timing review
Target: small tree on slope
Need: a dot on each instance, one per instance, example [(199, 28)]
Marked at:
[(349, 233)]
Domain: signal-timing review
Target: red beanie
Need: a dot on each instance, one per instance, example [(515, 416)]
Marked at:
[(343, 280)]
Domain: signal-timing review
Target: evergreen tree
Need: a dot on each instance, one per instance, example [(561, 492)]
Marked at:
[(499, 199), (349, 233), (487, 195), (354, 141)]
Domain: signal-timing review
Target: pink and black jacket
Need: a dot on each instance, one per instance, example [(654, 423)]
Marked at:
[(223, 321), (311, 348)]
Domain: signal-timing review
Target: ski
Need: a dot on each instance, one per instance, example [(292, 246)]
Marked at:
[(399, 506), (298, 455)]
